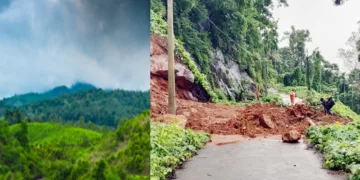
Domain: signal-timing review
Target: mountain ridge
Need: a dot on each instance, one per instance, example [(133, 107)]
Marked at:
[(18, 100)]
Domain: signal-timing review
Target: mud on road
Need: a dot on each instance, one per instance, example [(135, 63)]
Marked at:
[(241, 120)]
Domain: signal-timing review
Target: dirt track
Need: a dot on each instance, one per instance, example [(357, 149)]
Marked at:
[(224, 119)]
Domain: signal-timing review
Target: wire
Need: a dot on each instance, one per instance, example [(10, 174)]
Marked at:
[(214, 24)]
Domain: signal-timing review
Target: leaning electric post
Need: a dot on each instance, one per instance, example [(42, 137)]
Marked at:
[(171, 73)]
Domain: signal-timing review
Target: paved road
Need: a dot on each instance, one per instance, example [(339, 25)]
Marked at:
[(285, 98), (264, 159)]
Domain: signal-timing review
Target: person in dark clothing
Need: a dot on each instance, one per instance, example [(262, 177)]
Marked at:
[(327, 104)]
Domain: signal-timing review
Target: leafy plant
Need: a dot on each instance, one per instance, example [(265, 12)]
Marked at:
[(272, 98), (170, 146), (340, 145)]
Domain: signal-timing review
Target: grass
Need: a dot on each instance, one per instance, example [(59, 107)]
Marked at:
[(345, 111), (170, 146)]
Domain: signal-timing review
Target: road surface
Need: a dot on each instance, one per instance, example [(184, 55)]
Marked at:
[(285, 98), (258, 159)]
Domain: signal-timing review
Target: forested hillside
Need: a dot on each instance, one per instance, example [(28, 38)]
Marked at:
[(22, 99), (231, 40), (96, 106), (57, 151)]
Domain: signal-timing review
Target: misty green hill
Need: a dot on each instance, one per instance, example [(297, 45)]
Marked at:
[(22, 99), (95, 105)]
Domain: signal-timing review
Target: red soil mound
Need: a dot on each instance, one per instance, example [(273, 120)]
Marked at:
[(224, 119), (247, 122)]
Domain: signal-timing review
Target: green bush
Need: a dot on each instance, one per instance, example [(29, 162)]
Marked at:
[(171, 145), (272, 98), (340, 145)]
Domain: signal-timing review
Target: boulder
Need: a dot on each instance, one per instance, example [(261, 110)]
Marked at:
[(184, 78), (229, 77), (310, 121), (180, 120), (266, 122), (291, 136), (159, 64)]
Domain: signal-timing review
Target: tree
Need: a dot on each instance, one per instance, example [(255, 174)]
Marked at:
[(308, 73), (81, 123), (297, 43), (23, 136), (351, 55), (317, 70), (99, 170)]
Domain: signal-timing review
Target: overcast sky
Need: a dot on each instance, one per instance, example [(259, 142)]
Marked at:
[(46, 43), (330, 26)]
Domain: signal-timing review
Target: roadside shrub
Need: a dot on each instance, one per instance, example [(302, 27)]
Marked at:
[(170, 146)]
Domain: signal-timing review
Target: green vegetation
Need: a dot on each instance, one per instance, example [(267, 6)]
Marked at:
[(272, 98), (96, 106), (54, 151), (345, 111), (170, 146), (200, 39), (19, 100), (158, 26), (245, 34), (55, 134), (340, 145), (313, 98)]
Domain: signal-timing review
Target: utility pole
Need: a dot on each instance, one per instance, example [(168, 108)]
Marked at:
[(265, 76), (171, 73), (308, 83)]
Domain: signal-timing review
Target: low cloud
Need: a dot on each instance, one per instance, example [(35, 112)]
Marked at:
[(46, 43)]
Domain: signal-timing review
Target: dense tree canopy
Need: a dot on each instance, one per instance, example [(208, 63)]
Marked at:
[(96, 106)]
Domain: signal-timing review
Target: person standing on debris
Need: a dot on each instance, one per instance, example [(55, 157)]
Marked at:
[(292, 97), (327, 104)]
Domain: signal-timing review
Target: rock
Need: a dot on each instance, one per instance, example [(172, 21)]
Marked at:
[(184, 78), (229, 78), (193, 110), (157, 45), (310, 121), (266, 121), (281, 124), (200, 93), (186, 114), (159, 64), (172, 119), (236, 125), (291, 136)]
